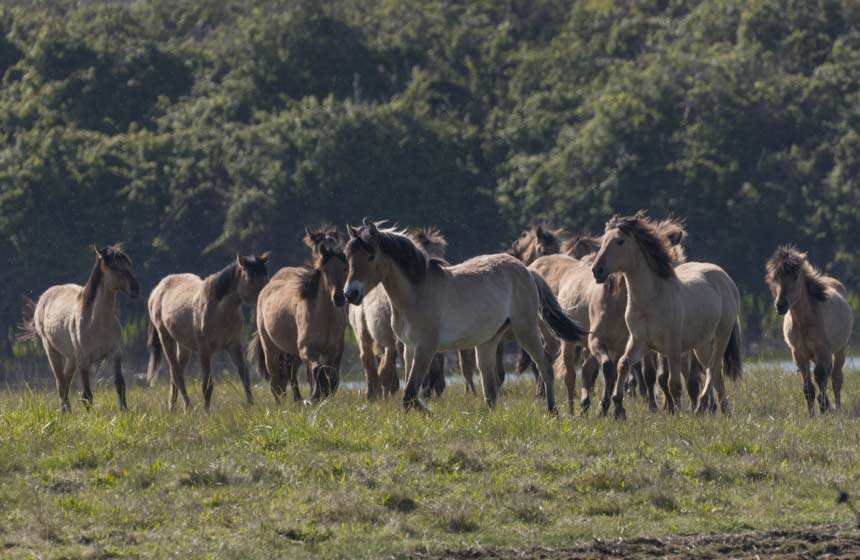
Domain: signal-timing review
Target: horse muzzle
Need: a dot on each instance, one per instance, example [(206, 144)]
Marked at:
[(354, 293), (339, 300), (599, 273), (781, 307)]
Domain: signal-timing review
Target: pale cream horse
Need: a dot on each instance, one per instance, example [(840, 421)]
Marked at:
[(371, 323), (188, 314), (78, 325), (301, 318), (438, 307), (817, 324), (671, 310)]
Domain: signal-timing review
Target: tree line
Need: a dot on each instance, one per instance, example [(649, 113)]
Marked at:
[(192, 130)]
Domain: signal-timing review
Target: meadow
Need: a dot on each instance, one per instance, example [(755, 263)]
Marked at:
[(350, 479)]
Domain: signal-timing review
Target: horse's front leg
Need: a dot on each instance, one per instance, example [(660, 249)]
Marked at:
[(119, 381), (238, 358), (673, 397), (632, 356), (467, 367), (206, 381), (823, 366), (420, 357), (86, 388), (806, 378)]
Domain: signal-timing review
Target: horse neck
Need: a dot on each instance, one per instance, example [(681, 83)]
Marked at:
[(103, 306), (322, 303), (400, 290), (643, 285), (803, 310), (228, 302)]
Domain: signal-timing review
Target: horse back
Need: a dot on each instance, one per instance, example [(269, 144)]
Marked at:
[(172, 306)]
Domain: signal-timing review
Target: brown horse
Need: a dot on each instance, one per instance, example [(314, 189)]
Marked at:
[(188, 314), (300, 318), (439, 307), (670, 309), (78, 326), (818, 321)]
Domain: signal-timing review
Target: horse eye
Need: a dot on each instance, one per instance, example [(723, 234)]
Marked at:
[(620, 242)]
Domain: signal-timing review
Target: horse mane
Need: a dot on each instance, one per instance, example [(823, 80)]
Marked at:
[(788, 260), (406, 254), (222, 282), (582, 247), (548, 236), (308, 281), (91, 288), (654, 244), (675, 231), (431, 240)]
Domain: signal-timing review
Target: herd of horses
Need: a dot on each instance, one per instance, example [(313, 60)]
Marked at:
[(627, 305)]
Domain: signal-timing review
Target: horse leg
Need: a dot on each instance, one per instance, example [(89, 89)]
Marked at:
[(467, 366), (607, 367), (206, 380), (711, 358), (806, 378), (431, 382), (529, 338), (663, 380), (486, 355), (388, 371), (500, 363), (69, 368), (823, 366), (56, 361), (649, 378), (119, 381), (420, 357), (238, 358), (632, 356), (589, 376), (86, 388), (290, 371), (369, 364), (570, 352), (836, 375)]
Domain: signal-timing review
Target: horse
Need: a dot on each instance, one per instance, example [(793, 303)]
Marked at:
[(438, 307), (817, 324), (301, 318), (188, 314), (670, 309), (78, 325)]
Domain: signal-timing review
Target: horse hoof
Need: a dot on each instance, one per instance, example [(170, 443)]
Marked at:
[(620, 414)]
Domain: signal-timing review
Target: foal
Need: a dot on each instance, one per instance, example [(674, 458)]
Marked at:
[(817, 322), (300, 317), (188, 314), (438, 307), (78, 326)]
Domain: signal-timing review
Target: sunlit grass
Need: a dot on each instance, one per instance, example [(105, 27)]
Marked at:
[(351, 478)]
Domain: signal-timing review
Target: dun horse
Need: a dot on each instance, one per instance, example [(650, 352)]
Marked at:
[(439, 307), (188, 314), (817, 322), (78, 326), (671, 310), (300, 318), (379, 347)]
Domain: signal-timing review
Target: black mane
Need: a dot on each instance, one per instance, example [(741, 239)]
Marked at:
[(653, 245)]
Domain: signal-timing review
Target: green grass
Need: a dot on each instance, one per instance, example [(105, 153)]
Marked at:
[(351, 479)]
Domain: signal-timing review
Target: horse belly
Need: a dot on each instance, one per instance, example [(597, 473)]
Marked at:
[(462, 328)]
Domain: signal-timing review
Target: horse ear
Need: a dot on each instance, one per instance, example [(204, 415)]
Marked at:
[(351, 231), (539, 231), (311, 237), (676, 236), (370, 225), (264, 258), (241, 261), (100, 253)]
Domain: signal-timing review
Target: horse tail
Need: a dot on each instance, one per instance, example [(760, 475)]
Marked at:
[(560, 324), (153, 344), (27, 326), (732, 356), (256, 356)]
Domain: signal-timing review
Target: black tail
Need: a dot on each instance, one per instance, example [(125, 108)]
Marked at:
[(732, 356), (559, 323), (153, 345), (256, 356), (27, 327)]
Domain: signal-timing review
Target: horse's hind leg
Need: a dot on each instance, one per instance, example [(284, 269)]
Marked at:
[(823, 367), (238, 358), (570, 352), (649, 378), (388, 371), (86, 388), (119, 381), (589, 375), (486, 355), (836, 375), (529, 338), (369, 364), (206, 379), (63, 370), (500, 362), (467, 366), (806, 378)]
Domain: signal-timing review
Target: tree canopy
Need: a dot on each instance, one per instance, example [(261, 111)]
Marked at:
[(195, 129)]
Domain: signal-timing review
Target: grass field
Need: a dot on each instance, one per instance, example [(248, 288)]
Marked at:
[(349, 479)]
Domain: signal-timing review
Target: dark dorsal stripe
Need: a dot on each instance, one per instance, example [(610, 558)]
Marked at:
[(91, 288), (409, 257)]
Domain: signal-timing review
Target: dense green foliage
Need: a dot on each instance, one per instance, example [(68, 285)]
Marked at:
[(350, 480), (197, 128)]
